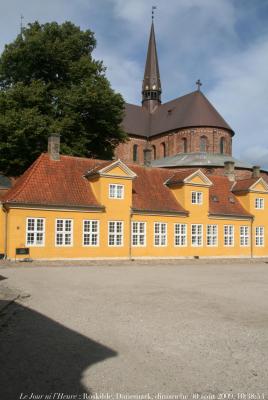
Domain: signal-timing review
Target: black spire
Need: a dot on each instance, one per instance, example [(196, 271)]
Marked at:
[(151, 87)]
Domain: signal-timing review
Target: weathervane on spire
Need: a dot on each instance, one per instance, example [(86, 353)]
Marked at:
[(153, 8), (199, 84)]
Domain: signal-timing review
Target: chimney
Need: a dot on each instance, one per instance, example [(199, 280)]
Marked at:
[(256, 171), (53, 147), (147, 152), (229, 170)]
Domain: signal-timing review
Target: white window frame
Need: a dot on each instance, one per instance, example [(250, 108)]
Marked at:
[(64, 232), (228, 233), (212, 235), (259, 237), (35, 232), (138, 234), (160, 235), (116, 234), (180, 236), (116, 191), (90, 233), (197, 235), (244, 236), (259, 203), (197, 197)]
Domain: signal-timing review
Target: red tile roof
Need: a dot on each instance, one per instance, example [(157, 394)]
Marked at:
[(55, 183), (179, 176), (221, 199), (244, 184), (149, 191), (63, 183)]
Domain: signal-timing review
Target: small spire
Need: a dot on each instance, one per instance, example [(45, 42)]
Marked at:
[(151, 87), (199, 84)]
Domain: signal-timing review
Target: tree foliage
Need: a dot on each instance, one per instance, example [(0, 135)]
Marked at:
[(49, 82)]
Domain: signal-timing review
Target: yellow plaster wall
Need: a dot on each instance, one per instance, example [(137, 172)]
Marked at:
[(189, 251), (120, 210)]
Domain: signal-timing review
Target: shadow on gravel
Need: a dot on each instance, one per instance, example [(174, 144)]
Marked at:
[(2, 278), (40, 356)]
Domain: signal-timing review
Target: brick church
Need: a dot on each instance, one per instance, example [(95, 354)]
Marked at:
[(185, 132)]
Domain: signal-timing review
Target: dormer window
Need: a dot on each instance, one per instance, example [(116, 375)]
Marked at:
[(197, 197), (116, 191)]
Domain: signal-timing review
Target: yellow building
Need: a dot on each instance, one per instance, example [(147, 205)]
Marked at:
[(67, 207)]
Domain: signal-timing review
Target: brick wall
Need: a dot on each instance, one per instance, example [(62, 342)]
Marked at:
[(174, 142)]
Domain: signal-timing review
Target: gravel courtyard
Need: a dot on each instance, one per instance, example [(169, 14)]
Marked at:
[(162, 329)]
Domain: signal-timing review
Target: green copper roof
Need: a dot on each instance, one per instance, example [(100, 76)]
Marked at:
[(198, 159)]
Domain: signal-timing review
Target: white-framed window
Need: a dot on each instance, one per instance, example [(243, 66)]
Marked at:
[(212, 235), (259, 203), (180, 235), (244, 236), (64, 232), (160, 234), (35, 232), (138, 234), (197, 197), (259, 236), (116, 191), (115, 233), (197, 235), (228, 231), (91, 232)]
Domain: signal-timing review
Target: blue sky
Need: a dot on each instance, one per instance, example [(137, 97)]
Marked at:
[(222, 42)]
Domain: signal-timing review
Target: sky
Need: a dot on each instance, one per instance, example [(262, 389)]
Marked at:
[(224, 43)]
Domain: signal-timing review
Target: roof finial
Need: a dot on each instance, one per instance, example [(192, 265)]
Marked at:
[(153, 8), (199, 84)]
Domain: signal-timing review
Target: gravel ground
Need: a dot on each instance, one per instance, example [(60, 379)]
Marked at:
[(167, 328)]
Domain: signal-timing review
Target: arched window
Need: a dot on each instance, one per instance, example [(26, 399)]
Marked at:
[(184, 145), (163, 149), (222, 145), (203, 144), (135, 153), (154, 151)]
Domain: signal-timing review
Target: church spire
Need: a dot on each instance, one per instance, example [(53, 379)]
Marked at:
[(151, 87)]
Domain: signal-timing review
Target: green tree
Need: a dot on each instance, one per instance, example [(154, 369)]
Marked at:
[(49, 82)]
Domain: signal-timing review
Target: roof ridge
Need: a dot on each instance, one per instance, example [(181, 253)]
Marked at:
[(24, 179)]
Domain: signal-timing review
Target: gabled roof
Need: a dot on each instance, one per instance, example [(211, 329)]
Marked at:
[(188, 111), (245, 185), (186, 176)]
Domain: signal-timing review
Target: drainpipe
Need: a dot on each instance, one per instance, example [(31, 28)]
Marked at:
[(251, 238), (5, 210), (130, 236)]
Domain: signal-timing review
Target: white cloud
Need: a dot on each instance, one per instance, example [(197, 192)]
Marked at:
[(241, 95), (222, 42)]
